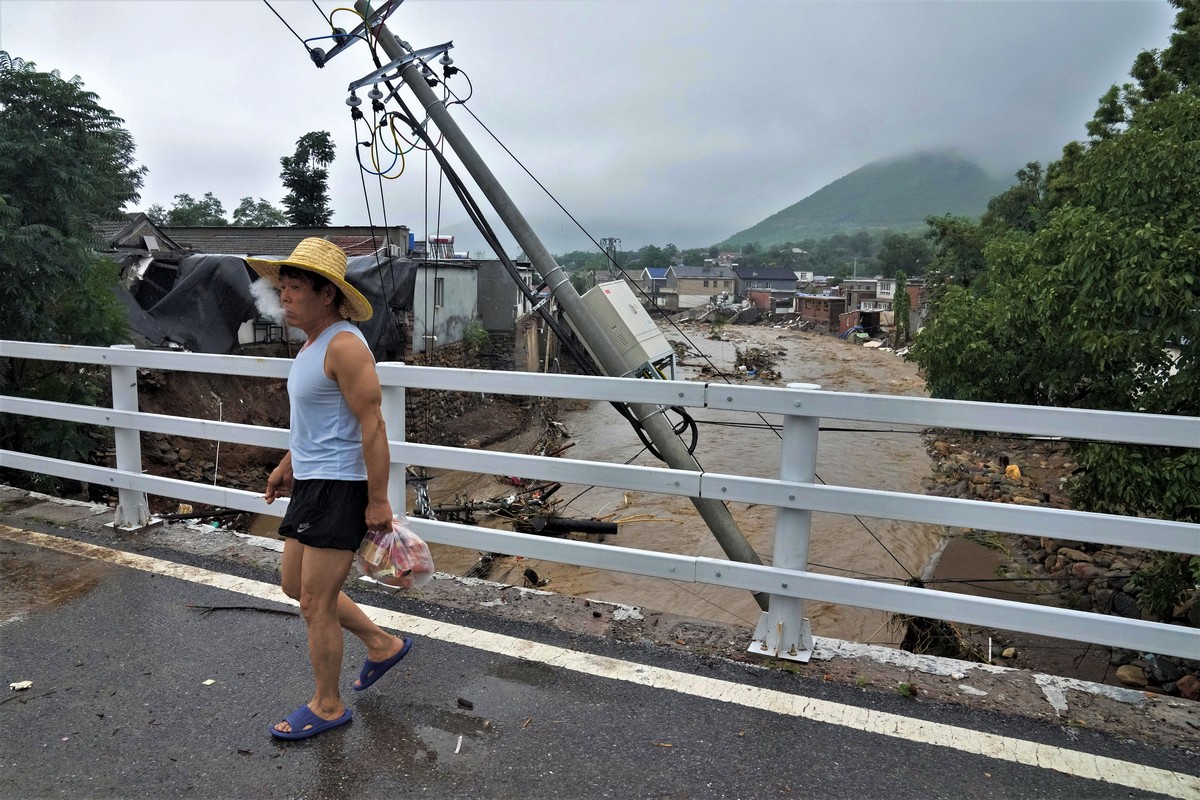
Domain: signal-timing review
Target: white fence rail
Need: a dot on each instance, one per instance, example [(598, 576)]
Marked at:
[(787, 586)]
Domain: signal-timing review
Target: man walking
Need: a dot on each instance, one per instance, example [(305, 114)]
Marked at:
[(336, 471)]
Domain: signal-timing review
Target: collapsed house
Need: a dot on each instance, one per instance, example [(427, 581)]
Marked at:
[(179, 293)]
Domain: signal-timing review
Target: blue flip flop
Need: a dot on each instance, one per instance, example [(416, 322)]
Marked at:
[(305, 723), (374, 670)]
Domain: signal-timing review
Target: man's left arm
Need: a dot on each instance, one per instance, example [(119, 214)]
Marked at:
[(349, 363)]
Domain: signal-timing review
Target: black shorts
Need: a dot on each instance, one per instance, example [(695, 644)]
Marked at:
[(327, 513)]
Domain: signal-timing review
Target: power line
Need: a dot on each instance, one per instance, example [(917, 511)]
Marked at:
[(289, 27)]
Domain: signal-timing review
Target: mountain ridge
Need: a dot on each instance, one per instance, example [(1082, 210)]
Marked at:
[(894, 194)]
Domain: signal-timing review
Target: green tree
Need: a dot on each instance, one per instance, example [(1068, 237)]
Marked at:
[(957, 254), (157, 214), (262, 214), (1023, 206), (66, 164), (581, 281), (901, 305), (189, 212), (900, 251), (1094, 304), (653, 256), (307, 180)]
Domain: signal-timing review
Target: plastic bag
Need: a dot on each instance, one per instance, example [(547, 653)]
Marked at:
[(397, 558)]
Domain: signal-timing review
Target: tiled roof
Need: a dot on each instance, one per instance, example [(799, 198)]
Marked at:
[(278, 242), (109, 229), (765, 273), (702, 272)]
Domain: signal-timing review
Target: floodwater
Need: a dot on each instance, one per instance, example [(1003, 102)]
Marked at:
[(861, 457)]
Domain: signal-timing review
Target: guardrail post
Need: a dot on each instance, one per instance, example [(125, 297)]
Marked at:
[(393, 419), (133, 511), (782, 630)]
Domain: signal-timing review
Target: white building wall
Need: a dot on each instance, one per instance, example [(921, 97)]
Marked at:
[(441, 317)]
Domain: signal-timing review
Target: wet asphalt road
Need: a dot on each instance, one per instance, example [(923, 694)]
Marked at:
[(122, 706)]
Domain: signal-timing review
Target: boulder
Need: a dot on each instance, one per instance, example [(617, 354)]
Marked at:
[(1074, 555), (1131, 676), (1124, 606), (1189, 687)]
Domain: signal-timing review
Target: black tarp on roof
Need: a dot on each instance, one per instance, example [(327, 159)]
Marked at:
[(208, 303), (389, 284), (211, 299)]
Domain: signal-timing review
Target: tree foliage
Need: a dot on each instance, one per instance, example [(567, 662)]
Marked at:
[(307, 180), (261, 214), (901, 305), (66, 164), (1090, 296), (188, 212), (209, 211), (900, 252), (839, 255)]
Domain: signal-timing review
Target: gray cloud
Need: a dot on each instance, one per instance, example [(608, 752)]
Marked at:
[(655, 121)]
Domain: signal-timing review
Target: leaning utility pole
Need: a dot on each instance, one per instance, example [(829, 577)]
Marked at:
[(660, 431)]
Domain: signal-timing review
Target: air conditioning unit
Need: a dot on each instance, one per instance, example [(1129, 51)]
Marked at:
[(615, 307)]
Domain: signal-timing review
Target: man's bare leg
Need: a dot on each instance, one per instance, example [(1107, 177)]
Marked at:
[(321, 573)]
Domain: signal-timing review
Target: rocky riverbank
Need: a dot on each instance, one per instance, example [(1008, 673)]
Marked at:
[(1068, 574)]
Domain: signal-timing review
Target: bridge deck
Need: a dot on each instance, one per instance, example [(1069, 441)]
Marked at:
[(139, 692)]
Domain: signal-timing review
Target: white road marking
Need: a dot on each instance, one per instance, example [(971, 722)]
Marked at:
[(1018, 751)]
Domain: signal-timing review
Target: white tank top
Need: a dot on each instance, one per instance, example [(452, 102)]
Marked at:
[(325, 437)]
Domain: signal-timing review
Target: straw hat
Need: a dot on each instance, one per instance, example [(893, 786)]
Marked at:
[(327, 260)]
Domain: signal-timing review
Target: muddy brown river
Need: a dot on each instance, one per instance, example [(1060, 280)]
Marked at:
[(862, 457)]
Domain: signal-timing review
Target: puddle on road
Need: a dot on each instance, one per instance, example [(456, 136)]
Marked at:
[(37, 580), (530, 673)]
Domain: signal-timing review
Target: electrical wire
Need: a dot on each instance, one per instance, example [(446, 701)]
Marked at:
[(563, 336), (481, 223), (391, 314), (620, 407), (289, 27)]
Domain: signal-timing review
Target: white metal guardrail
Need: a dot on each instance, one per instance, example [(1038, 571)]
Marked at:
[(787, 582)]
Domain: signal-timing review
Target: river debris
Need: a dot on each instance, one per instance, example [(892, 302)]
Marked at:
[(684, 350), (935, 637)]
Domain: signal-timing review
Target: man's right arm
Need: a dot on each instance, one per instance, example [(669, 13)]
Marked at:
[(279, 484)]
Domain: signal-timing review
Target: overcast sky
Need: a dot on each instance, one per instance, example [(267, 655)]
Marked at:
[(655, 121)]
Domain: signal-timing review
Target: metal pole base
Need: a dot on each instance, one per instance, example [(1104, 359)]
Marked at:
[(771, 642), (151, 524)]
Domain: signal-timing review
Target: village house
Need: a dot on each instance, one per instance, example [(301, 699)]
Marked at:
[(356, 240), (186, 286), (822, 310), (773, 279), (886, 294), (769, 289), (647, 285), (858, 290), (695, 287), (501, 303)]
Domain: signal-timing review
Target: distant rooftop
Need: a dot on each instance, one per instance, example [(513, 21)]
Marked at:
[(281, 241), (702, 272)]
